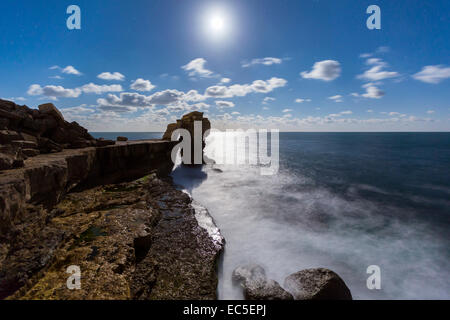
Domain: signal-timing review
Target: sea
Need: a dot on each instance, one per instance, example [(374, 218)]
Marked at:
[(343, 201)]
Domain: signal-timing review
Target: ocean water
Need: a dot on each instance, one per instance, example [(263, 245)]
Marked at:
[(129, 135), (342, 201)]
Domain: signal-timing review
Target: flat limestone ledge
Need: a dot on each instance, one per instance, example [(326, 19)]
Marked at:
[(46, 178)]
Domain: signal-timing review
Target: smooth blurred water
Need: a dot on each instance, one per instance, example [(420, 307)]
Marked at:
[(343, 201)]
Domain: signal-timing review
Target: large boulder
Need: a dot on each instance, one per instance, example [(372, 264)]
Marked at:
[(256, 285), (317, 284), (6, 161), (49, 108), (11, 156)]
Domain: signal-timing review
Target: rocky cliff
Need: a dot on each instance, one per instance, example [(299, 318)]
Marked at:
[(108, 208), (26, 132)]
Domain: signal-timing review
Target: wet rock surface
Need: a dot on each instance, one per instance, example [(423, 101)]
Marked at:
[(135, 240), (257, 286), (45, 179), (317, 284)]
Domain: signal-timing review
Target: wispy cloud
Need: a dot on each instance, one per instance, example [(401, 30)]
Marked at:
[(196, 68), (433, 74), (268, 61), (301, 100), (377, 72), (67, 70), (336, 98)]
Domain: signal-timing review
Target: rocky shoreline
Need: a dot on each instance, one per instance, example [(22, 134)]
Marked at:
[(111, 209), (135, 240), (108, 207)]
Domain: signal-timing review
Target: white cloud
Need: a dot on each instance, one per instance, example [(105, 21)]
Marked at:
[(126, 99), (118, 109), (167, 97), (193, 96), (372, 92), (377, 72), (239, 90), (301, 100), (71, 70), (53, 91), (225, 80), (287, 110), (266, 100), (340, 114), (66, 70), (336, 98), (326, 70), (365, 55), (77, 110), (268, 61), (34, 90), (99, 89), (142, 85), (433, 74), (111, 76), (196, 67), (224, 104), (370, 111), (430, 111)]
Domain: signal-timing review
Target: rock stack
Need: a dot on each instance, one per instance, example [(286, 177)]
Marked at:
[(26, 132), (187, 122)]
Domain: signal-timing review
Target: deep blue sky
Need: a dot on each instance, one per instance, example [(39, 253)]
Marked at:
[(152, 40)]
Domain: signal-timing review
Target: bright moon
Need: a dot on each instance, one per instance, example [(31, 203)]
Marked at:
[(217, 24)]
